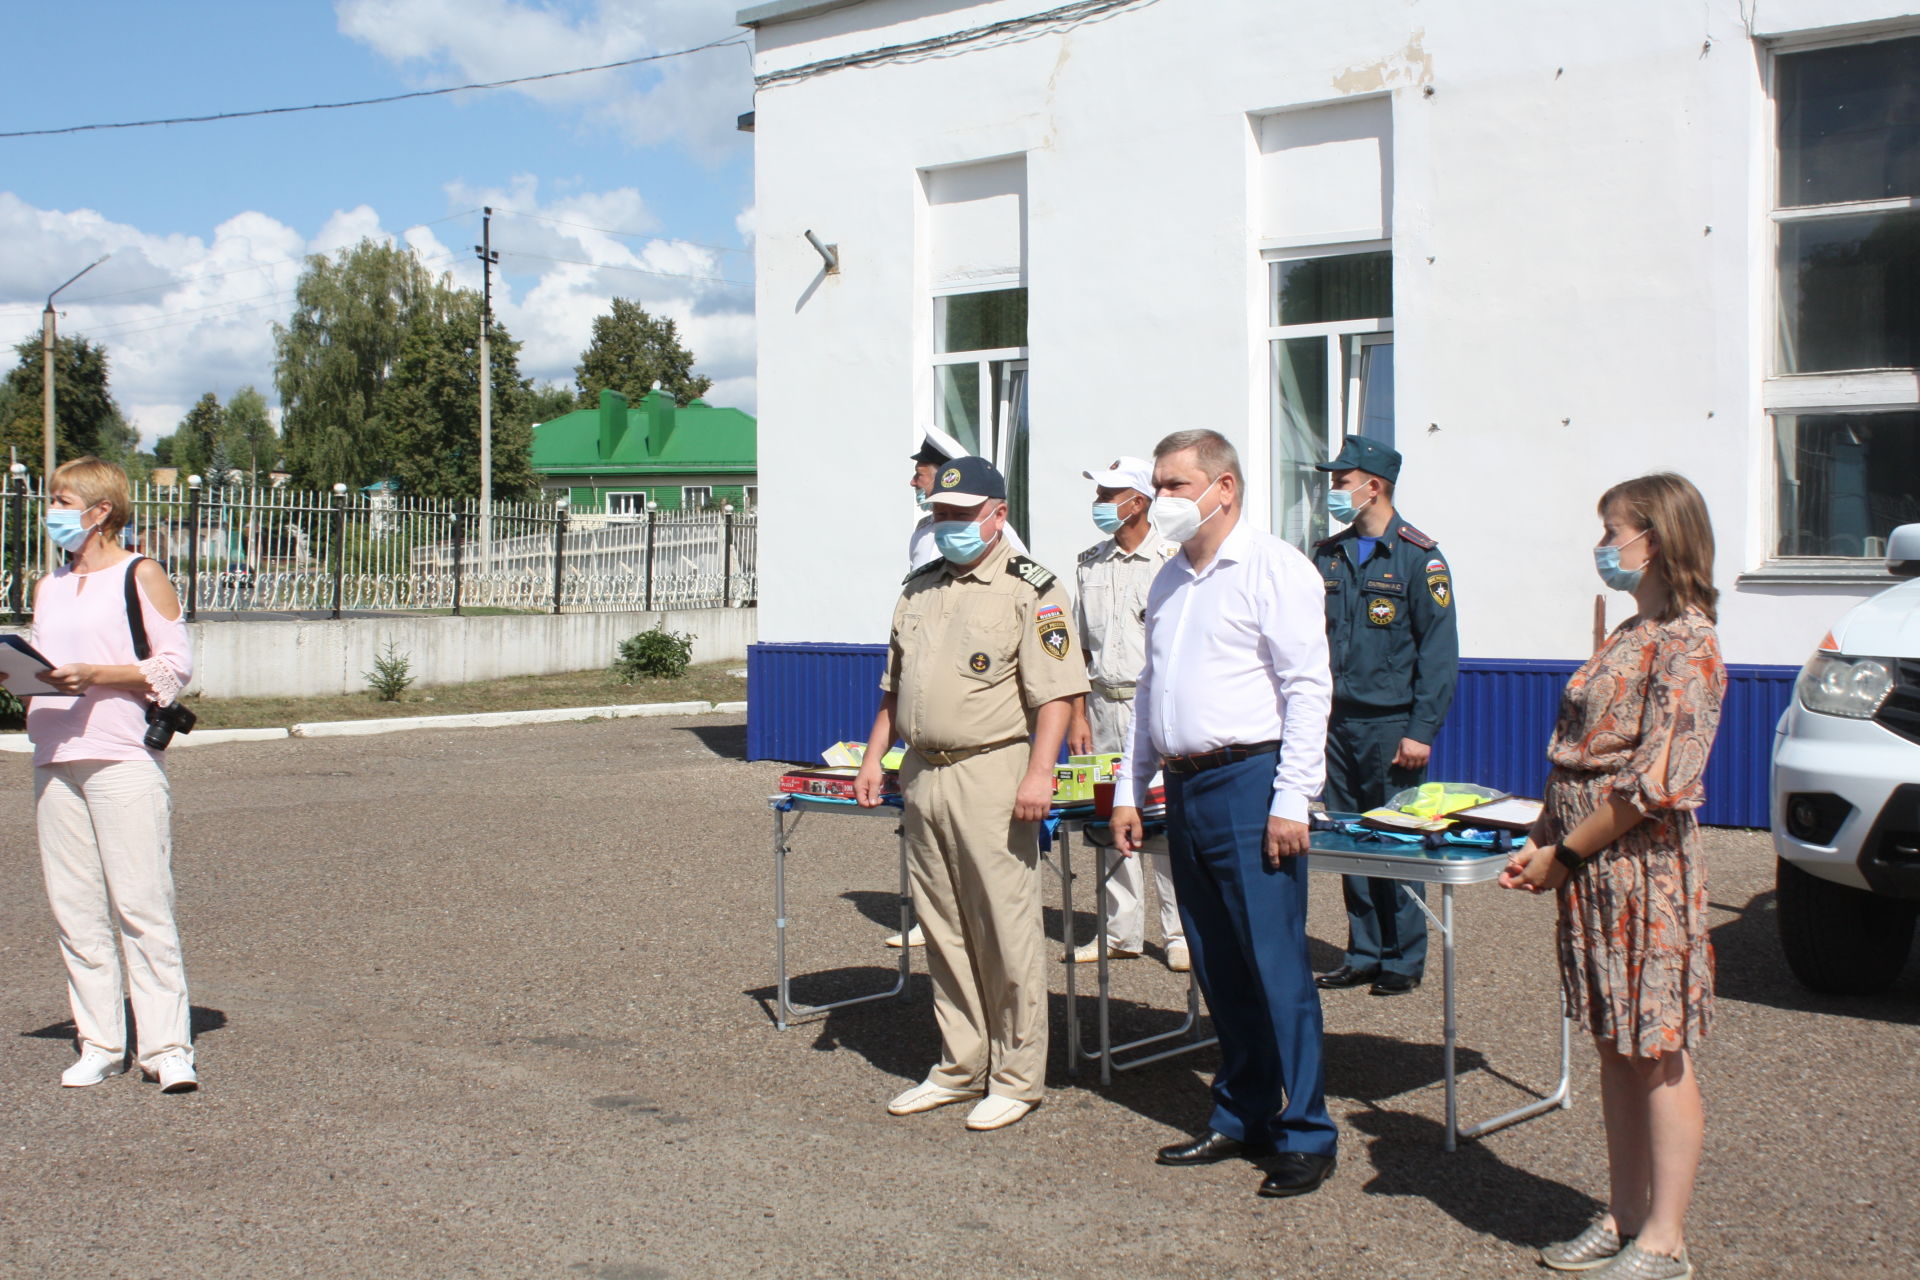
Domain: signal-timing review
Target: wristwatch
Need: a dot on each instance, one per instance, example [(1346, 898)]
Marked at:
[(1567, 857)]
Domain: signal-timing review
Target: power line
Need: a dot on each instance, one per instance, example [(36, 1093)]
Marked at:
[(609, 266), (633, 235), (392, 97)]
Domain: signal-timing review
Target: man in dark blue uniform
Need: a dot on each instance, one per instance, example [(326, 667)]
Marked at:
[(1396, 655)]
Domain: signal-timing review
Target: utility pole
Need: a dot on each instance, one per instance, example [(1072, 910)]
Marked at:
[(46, 374), (488, 260)]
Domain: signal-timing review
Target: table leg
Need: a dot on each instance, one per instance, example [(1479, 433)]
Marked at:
[(1448, 1028), (782, 1009), (1105, 857), (1066, 933), (906, 914)]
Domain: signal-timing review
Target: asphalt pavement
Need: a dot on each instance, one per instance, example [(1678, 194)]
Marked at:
[(496, 1003)]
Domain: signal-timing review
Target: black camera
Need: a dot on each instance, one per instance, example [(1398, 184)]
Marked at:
[(164, 722)]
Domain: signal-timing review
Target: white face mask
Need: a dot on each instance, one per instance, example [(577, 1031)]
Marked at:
[(1179, 519)]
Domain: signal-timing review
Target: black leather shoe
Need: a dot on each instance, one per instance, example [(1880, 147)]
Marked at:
[(1395, 984), (1295, 1173), (1210, 1148), (1345, 976)]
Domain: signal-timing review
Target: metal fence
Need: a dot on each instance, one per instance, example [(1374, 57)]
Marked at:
[(240, 550)]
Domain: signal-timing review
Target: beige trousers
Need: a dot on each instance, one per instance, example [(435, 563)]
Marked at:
[(976, 890), (106, 849), (1112, 723)]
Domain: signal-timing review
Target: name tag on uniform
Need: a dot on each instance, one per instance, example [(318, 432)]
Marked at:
[(1386, 586), (1333, 584)]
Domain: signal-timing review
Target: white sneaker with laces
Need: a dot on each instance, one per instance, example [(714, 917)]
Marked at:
[(174, 1071), (1089, 953), (93, 1066)]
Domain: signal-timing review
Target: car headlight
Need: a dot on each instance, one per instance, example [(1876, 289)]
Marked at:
[(1836, 684)]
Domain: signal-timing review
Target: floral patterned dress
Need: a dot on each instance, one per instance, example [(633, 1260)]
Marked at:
[(1637, 721)]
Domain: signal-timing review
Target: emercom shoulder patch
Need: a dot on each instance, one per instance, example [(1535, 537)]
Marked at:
[(1053, 636), (1030, 572)]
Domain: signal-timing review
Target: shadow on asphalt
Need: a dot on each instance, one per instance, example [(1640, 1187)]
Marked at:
[(727, 741), (1750, 967), (1472, 1185), (201, 1021)]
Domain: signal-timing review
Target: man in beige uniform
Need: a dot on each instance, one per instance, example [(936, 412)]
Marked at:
[(1110, 606), (980, 679)]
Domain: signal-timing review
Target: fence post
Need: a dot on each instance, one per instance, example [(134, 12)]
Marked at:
[(559, 548), (459, 550), (726, 556), (193, 546), (18, 535), (652, 510), (339, 546)]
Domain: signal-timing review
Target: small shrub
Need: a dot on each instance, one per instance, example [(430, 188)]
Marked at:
[(656, 654), (13, 712), (391, 674)]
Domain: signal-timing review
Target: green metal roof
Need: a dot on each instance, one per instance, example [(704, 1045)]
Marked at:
[(652, 437)]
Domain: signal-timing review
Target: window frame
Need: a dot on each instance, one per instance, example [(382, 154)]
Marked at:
[(1340, 337), (995, 396), (606, 503), (1846, 391), (686, 497)]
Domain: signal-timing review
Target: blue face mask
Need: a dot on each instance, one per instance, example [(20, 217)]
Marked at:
[(1340, 506), (67, 530), (1607, 561), (922, 500), (959, 540), (1107, 517)]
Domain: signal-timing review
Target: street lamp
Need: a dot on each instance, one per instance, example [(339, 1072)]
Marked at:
[(46, 371)]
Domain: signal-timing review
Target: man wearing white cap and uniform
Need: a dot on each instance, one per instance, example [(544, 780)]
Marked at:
[(1110, 605)]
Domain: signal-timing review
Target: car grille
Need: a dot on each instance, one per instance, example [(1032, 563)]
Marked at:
[(1901, 710)]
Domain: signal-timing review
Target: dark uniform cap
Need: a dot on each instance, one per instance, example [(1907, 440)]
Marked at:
[(967, 482), (1361, 454)]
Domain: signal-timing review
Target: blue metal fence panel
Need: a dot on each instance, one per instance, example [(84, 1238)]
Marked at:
[(802, 698)]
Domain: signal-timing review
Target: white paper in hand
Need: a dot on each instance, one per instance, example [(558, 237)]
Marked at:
[(21, 664)]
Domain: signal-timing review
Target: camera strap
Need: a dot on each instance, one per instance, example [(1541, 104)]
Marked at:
[(135, 622)]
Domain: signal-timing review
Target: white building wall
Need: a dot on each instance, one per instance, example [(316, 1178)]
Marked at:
[(1581, 277)]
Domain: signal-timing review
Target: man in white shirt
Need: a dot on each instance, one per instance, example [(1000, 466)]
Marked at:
[(1232, 705), (1110, 606)]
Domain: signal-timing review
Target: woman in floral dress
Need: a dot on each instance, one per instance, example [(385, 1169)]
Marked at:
[(1618, 843)]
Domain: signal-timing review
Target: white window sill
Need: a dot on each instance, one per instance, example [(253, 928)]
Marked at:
[(1836, 572)]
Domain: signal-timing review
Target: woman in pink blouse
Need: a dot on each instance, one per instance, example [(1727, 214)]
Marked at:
[(1619, 844), (100, 793)]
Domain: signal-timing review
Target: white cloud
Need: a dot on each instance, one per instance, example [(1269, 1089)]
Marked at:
[(183, 315), (693, 99)]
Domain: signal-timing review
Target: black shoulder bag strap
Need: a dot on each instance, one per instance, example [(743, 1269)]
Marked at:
[(135, 622)]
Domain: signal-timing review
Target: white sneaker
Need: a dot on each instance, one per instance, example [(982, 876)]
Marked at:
[(997, 1112), (92, 1067), (174, 1071), (1177, 958), (1089, 953), (912, 938), (927, 1095)]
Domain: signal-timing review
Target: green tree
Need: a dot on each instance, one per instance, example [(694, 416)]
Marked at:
[(547, 401), (631, 350), (335, 355), (86, 419), (163, 451), (192, 445), (250, 438), (432, 408)]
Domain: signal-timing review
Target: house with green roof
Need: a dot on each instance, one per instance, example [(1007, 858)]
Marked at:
[(619, 457)]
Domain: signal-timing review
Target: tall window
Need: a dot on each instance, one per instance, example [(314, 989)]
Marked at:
[(1843, 399), (980, 368), (1330, 339)]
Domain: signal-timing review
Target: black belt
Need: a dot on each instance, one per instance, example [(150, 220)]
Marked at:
[(1203, 760)]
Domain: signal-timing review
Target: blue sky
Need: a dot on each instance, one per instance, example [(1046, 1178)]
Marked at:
[(635, 177)]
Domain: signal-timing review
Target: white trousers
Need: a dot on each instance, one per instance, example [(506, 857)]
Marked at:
[(1112, 721), (106, 849)]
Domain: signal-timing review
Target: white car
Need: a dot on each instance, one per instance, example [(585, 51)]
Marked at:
[(1846, 792)]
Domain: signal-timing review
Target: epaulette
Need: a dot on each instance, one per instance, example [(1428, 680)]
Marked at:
[(1417, 538), (1092, 553), (1030, 572), (928, 567)]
